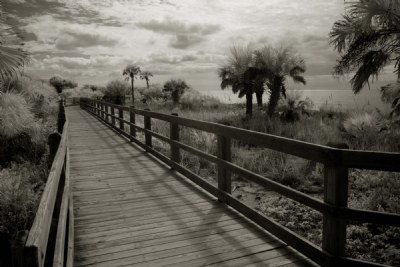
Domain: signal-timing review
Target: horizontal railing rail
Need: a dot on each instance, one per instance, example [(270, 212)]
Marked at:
[(334, 208), (51, 238)]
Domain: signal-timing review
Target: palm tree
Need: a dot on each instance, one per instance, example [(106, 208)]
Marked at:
[(131, 71), (276, 64), (368, 39), (144, 75), (236, 73), (11, 59)]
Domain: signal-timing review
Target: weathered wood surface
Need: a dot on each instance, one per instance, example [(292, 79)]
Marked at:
[(131, 210)]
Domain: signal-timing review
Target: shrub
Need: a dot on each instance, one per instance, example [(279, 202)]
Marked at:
[(192, 99), (20, 133), (362, 129), (18, 196), (115, 92), (39, 94), (176, 87), (152, 94)]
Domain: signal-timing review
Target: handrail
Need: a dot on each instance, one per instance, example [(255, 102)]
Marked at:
[(55, 207), (336, 162)]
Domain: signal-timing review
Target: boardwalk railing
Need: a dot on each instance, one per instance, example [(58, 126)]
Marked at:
[(50, 241), (336, 213)]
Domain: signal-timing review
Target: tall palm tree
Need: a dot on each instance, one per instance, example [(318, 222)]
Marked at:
[(131, 72), (277, 64), (11, 58), (145, 75), (368, 39), (234, 73)]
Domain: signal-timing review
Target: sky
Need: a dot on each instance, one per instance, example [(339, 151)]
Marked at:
[(91, 41)]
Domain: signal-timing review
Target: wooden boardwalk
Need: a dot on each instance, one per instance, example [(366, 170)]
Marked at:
[(132, 210)]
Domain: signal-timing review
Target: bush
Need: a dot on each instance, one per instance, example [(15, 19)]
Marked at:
[(115, 92), (39, 94), (20, 132), (176, 87), (192, 99), (19, 198), (152, 94)]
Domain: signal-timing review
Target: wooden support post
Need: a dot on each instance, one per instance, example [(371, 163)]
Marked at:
[(174, 135), (132, 129), (224, 175), (112, 116), (121, 117), (147, 126), (101, 111), (335, 193)]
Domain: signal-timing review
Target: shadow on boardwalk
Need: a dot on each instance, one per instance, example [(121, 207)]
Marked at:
[(131, 210)]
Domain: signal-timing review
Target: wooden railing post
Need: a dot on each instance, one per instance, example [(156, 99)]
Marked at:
[(174, 135), (147, 126), (97, 108), (132, 129), (112, 116), (335, 193), (224, 175), (107, 114), (121, 117), (101, 110)]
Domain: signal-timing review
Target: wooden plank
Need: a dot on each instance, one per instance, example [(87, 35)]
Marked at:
[(173, 248), (39, 232), (130, 210), (59, 250), (71, 232)]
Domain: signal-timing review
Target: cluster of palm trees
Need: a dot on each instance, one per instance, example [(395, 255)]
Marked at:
[(132, 72), (249, 72)]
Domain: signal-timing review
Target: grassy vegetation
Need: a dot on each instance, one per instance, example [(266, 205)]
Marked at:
[(28, 110), (361, 130)]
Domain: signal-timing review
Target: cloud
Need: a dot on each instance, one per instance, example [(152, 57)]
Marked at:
[(183, 35), (67, 36), (183, 41), (72, 40), (169, 26), (165, 59)]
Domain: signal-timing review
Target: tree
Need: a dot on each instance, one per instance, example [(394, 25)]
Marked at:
[(144, 75), (274, 65), (176, 87), (11, 59), (368, 39), (131, 71), (237, 73), (60, 84)]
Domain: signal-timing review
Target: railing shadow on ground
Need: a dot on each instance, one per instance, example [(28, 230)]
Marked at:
[(336, 162)]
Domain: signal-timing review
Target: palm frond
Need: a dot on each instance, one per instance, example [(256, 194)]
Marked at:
[(11, 60), (372, 63)]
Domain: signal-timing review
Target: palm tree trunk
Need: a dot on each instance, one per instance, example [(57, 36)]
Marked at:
[(147, 82), (132, 92), (249, 105), (274, 98), (259, 96)]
